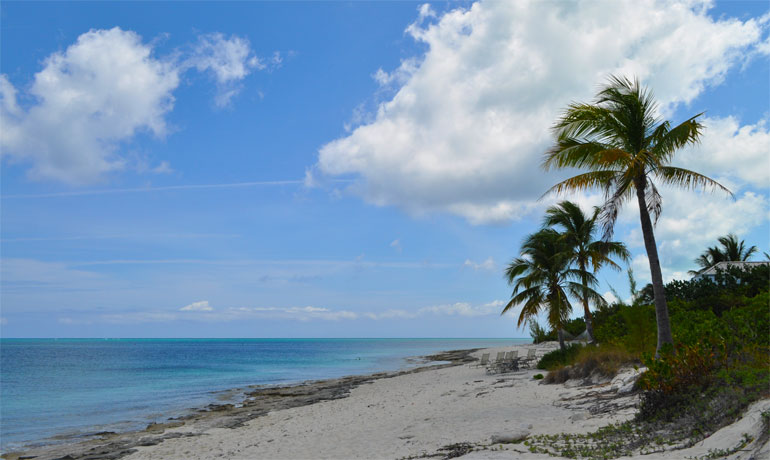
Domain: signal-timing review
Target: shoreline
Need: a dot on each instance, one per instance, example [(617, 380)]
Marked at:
[(442, 411), (256, 401)]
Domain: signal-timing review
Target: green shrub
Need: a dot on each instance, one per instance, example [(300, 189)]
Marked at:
[(537, 376), (604, 360), (557, 358), (539, 335)]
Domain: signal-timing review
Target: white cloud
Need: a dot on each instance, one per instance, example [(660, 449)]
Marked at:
[(101, 92), (201, 311), (488, 264), (466, 130), (465, 309), (98, 92), (690, 222), (229, 60), (202, 305), (739, 152), (396, 244)]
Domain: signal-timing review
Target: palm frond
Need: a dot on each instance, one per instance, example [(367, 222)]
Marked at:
[(653, 200), (586, 181), (665, 142), (671, 175)]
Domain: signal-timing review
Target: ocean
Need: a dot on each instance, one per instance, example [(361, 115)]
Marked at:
[(58, 390)]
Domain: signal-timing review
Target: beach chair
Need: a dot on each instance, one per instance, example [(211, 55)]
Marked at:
[(503, 364), (511, 362), (531, 356), (498, 362), (483, 362)]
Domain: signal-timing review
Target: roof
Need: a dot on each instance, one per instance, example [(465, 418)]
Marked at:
[(722, 266)]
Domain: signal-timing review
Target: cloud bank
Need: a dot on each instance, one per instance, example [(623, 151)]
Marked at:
[(465, 131)]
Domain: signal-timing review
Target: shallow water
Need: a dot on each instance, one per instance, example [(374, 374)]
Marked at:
[(53, 390)]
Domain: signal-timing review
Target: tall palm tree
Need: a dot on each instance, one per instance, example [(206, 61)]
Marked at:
[(732, 250), (623, 144), (577, 230), (543, 280)]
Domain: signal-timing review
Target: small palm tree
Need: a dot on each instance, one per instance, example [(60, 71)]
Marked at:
[(624, 145), (543, 280), (578, 230), (732, 250)]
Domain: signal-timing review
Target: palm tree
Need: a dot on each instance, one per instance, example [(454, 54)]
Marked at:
[(542, 279), (577, 230), (624, 145), (732, 250)]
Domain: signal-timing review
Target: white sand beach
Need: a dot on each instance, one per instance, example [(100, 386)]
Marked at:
[(417, 414), (420, 413)]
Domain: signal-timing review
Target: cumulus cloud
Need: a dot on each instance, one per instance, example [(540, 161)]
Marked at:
[(729, 149), (99, 93), (488, 264), (202, 305), (396, 244), (230, 60), (692, 221), (465, 131)]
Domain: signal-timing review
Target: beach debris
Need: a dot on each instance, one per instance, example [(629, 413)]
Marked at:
[(510, 437)]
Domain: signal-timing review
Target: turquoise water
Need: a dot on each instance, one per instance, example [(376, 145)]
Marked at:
[(53, 390)]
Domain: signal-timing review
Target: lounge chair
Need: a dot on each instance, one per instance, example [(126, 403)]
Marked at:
[(531, 356), (498, 360), (507, 364), (483, 362)]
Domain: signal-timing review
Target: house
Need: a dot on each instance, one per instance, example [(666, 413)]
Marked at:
[(711, 272)]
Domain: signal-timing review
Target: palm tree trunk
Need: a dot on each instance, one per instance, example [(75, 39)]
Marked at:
[(586, 311), (561, 340), (661, 308)]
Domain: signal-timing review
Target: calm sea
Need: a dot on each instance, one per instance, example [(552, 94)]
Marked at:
[(53, 390)]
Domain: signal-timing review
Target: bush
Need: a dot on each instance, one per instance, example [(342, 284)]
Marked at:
[(604, 360), (556, 358)]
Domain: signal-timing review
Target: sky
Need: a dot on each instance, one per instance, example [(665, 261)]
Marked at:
[(339, 169)]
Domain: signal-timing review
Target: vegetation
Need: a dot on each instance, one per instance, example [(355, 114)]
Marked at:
[(603, 361), (705, 343), (624, 145), (720, 363), (539, 334), (578, 230), (731, 250), (543, 280)]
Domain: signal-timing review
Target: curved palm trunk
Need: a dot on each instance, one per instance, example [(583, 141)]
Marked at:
[(661, 308), (586, 312)]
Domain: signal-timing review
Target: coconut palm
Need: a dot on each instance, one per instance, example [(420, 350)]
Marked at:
[(543, 280), (732, 250), (578, 230), (623, 144)]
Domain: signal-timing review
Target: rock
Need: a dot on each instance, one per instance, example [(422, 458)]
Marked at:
[(510, 437)]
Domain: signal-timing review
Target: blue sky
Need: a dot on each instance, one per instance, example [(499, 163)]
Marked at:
[(360, 169)]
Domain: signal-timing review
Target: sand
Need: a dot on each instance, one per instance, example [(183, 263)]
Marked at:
[(406, 415)]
